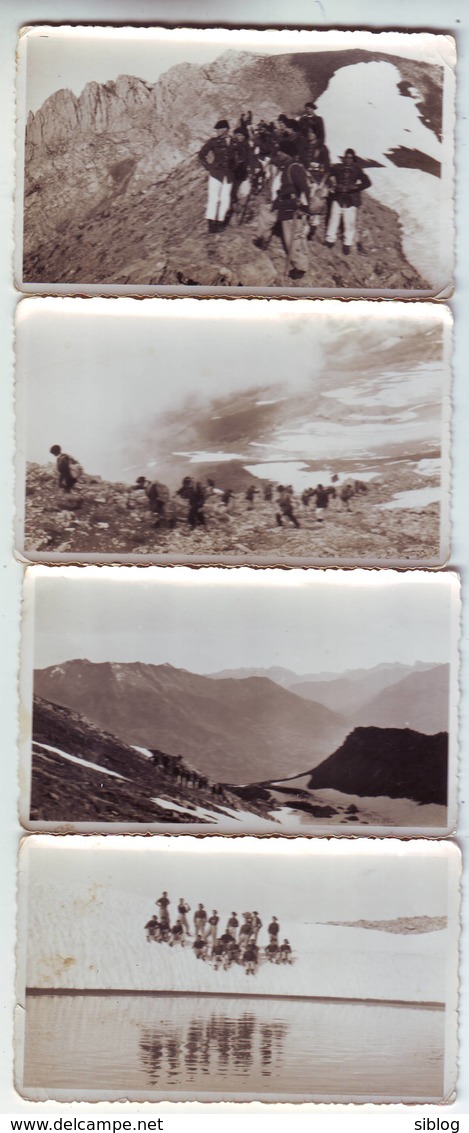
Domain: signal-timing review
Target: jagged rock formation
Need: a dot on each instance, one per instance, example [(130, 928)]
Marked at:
[(398, 763), (114, 192)]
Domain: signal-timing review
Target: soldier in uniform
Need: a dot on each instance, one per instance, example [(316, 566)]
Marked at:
[(216, 158), (347, 181)]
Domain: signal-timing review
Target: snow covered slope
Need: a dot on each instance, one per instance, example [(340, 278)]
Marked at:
[(93, 938)]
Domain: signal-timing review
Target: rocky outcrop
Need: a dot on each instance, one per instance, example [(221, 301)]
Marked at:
[(397, 763), (114, 192)]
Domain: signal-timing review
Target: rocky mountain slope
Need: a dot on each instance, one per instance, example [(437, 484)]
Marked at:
[(114, 192), (398, 763), (119, 785), (233, 731), (104, 518)]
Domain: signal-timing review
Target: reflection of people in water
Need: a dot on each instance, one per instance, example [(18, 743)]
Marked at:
[(188, 1049)]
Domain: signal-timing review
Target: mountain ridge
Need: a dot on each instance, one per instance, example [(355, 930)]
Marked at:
[(231, 730), (93, 211)]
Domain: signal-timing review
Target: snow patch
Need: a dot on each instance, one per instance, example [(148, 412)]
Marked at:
[(82, 762)]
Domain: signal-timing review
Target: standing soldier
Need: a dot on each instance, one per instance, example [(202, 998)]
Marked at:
[(256, 926), (233, 925), (215, 157), (273, 930), (200, 917), (241, 158), (312, 122), (211, 933), (347, 181), (163, 903), (183, 910)]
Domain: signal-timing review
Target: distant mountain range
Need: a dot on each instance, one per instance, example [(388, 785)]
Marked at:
[(231, 730), (390, 695)]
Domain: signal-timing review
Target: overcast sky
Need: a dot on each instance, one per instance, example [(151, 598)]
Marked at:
[(97, 380), (213, 619), (65, 58), (298, 882)]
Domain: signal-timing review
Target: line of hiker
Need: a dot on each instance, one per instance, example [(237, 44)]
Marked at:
[(192, 500), (237, 943), (281, 171), (175, 767), (287, 505)]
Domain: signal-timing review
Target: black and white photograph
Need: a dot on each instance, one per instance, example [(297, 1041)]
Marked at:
[(221, 970), (169, 160), (239, 702), (237, 432)]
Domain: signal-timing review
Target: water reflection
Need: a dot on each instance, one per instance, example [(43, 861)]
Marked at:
[(230, 1047), (207, 1046)]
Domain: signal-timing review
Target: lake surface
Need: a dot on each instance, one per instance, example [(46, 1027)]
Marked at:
[(213, 1047)]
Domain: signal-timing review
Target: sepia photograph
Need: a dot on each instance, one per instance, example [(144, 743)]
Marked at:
[(253, 970), (251, 432), (159, 160), (239, 702)]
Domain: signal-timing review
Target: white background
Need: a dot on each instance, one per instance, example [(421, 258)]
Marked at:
[(451, 16)]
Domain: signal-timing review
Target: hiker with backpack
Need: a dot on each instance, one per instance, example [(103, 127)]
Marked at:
[(69, 470), (285, 504), (158, 496), (322, 500), (290, 209)]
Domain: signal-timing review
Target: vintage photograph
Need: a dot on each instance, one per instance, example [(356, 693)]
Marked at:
[(236, 702), (155, 160), (256, 432), (220, 970)]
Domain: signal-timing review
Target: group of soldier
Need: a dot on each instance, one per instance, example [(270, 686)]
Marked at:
[(237, 944), (282, 497), (189, 504), (284, 165), (188, 777)]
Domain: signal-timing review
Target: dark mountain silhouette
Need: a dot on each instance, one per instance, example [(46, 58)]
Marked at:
[(114, 191), (231, 730), (348, 692), (420, 701), (398, 763), (66, 791)]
